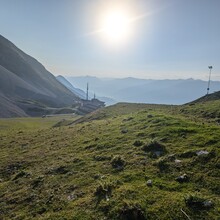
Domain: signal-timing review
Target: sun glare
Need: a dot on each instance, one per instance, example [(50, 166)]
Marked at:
[(115, 27)]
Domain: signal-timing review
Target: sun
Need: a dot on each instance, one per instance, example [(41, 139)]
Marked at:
[(115, 26)]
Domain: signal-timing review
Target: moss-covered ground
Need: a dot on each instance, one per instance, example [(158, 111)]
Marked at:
[(127, 161)]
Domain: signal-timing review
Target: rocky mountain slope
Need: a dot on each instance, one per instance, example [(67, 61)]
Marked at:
[(80, 93), (24, 81)]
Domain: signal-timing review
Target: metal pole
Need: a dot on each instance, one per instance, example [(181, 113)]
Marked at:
[(210, 71), (87, 92)]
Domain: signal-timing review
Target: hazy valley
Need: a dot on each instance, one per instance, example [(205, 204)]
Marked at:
[(135, 90)]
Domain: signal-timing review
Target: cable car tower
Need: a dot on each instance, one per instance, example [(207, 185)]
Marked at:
[(87, 92), (210, 71)]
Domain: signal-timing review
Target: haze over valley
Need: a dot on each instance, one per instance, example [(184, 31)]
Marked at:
[(130, 89)]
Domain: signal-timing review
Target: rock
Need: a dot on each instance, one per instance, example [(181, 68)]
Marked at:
[(158, 153), (124, 131), (107, 198), (149, 183), (183, 178), (198, 203), (72, 197), (202, 152), (207, 204)]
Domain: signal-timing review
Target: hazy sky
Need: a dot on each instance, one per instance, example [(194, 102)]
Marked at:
[(165, 39)]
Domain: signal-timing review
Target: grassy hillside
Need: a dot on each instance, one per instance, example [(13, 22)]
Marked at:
[(128, 161)]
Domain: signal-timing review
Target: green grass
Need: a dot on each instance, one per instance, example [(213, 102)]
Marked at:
[(72, 172), (15, 124)]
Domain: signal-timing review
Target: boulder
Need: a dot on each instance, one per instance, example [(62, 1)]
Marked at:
[(183, 178), (149, 183)]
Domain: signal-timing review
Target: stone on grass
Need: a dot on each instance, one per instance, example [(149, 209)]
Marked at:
[(207, 204), (149, 183), (183, 178), (72, 197), (202, 152), (124, 131)]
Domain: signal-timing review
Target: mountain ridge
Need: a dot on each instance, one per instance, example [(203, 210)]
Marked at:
[(23, 77), (167, 91)]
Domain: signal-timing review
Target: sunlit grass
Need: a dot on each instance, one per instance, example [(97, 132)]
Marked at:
[(69, 172)]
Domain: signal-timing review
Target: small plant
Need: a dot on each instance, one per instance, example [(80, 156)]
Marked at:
[(162, 164), (138, 143), (104, 190), (154, 146), (124, 131), (21, 174), (196, 202), (132, 212), (58, 170), (187, 154), (101, 157), (37, 182), (118, 162)]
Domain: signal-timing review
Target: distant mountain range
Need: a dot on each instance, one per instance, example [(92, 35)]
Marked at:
[(135, 90), (26, 87), (80, 93)]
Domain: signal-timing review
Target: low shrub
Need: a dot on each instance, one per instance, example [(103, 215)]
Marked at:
[(138, 143), (118, 162), (199, 203), (132, 212), (155, 149), (104, 190)]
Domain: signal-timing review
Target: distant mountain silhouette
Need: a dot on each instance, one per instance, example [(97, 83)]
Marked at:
[(80, 93), (130, 89), (26, 86)]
